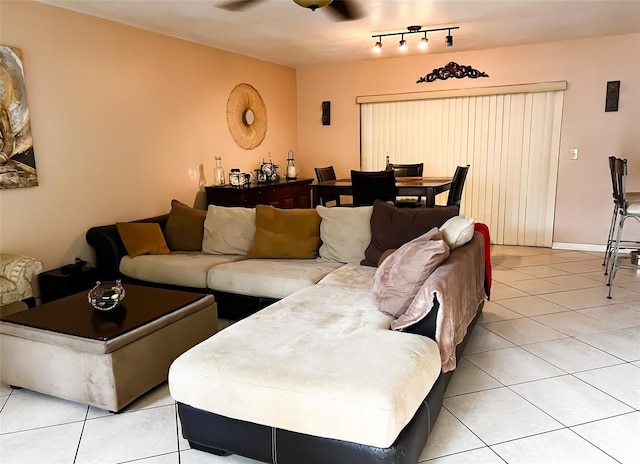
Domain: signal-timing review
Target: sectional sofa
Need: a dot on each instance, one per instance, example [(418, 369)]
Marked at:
[(366, 311)]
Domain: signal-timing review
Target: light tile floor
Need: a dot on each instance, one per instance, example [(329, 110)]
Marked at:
[(551, 374)]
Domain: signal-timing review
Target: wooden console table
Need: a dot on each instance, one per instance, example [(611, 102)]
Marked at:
[(282, 194)]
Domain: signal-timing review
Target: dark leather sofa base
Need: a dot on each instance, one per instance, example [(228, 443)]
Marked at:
[(221, 435)]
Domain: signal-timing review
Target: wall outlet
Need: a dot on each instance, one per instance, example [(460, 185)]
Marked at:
[(573, 154)]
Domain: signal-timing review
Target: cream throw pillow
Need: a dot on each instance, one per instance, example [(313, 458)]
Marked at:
[(457, 231), (345, 233), (399, 278), (228, 230)]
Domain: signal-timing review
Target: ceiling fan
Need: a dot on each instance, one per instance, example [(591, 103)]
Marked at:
[(343, 10)]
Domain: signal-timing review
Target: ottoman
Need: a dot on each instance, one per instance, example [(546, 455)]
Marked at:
[(68, 349), (315, 378)]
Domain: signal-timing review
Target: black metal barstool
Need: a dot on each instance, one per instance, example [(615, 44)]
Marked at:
[(627, 208)]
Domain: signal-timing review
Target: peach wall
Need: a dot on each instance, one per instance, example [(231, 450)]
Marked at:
[(583, 205), (121, 120)]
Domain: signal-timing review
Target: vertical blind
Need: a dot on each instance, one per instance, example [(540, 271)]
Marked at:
[(511, 141)]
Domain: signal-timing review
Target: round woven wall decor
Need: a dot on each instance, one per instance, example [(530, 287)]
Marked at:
[(246, 116)]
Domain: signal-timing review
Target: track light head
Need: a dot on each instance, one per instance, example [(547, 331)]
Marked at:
[(403, 44), (424, 42), (449, 39), (378, 46)]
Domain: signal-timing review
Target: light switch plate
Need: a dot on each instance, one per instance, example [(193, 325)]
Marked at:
[(573, 154)]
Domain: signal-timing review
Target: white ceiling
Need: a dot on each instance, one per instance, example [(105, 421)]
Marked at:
[(282, 32)]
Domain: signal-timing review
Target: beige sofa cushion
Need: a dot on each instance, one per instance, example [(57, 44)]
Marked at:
[(318, 362), (350, 275), (183, 268), (345, 233), (228, 230), (271, 278)]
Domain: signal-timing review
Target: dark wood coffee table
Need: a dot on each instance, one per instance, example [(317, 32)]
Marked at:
[(66, 348)]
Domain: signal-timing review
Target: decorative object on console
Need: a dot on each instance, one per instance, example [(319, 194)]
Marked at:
[(17, 160), (218, 172), (106, 296), (424, 42), (452, 70), (269, 171), (239, 179), (246, 116), (291, 167)]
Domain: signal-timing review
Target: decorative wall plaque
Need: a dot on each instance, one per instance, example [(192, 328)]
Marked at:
[(452, 70), (246, 116)]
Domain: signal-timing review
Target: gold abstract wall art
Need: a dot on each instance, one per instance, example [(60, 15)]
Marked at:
[(17, 159)]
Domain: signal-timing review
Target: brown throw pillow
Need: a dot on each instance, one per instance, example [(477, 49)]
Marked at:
[(392, 227), (184, 228), (400, 276), (285, 233), (141, 238)]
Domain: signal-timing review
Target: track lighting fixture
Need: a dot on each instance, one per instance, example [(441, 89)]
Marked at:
[(424, 41), (403, 44), (378, 46)]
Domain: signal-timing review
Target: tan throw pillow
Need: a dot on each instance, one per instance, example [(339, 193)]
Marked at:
[(184, 228), (142, 238), (285, 233), (228, 230), (400, 276), (345, 233), (458, 231)]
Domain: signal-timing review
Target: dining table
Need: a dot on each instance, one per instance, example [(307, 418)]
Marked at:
[(427, 187)]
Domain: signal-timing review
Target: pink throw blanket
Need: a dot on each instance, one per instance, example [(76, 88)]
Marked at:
[(458, 285)]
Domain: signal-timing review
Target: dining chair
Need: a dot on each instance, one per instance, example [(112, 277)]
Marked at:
[(323, 175), (457, 186), (627, 208), (368, 186), (408, 170)]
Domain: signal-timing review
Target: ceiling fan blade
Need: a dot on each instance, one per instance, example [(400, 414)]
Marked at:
[(345, 10), (238, 5)]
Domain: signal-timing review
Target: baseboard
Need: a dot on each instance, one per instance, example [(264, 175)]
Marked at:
[(583, 247), (578, 246)]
